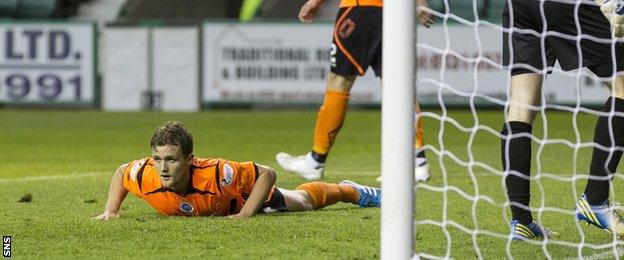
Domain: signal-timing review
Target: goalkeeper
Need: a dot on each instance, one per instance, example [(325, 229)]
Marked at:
[(356, 46), (531, 45), (175, 182)]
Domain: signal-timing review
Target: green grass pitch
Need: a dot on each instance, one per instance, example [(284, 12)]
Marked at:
[(64, 159)]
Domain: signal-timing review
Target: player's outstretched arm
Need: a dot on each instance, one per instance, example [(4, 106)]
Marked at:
[(116, 195), (308, 10), (613, 10), (259, 192)]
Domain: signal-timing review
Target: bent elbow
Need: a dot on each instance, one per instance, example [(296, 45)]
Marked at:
[(270, 175)]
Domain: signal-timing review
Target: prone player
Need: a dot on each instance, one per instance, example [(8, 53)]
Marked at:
[(175, 182)]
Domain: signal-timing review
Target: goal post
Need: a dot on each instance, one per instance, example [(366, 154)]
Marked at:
[(397, 134)]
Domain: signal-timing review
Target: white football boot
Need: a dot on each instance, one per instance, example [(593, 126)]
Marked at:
[(302, 165), (421, 169)]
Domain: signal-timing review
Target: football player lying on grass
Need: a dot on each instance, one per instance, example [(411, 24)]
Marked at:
[(175, 182)]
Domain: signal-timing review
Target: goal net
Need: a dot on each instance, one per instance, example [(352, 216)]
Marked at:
[(463, 211)]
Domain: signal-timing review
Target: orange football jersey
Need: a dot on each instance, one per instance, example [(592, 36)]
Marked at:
[(349, 3), (216, 187)]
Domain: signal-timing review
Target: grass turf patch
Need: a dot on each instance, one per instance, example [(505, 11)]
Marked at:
[(64, 160)]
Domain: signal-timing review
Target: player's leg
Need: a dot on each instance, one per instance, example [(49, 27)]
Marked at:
[(421, 167), (608, 133), (525, 93), (297, 200), (329, 120), (356, 40), (525, 96), (316, 195), (594, 206), (331, 115), (525, 54)]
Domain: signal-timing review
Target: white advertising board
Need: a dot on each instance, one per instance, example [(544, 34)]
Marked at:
[(272, 63), (47, 63)]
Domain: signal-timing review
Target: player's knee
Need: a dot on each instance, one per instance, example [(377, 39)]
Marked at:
[(307, 203), (298, 200), (339, 83), (305, 200), (617, 87)]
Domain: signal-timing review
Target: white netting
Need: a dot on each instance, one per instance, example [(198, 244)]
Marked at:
[(463, 211)]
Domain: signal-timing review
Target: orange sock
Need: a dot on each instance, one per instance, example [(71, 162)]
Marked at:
[(329, 120), (418, 138), (324, 194), (419, 135)]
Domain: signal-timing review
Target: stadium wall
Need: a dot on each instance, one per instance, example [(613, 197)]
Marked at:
[(220, 63), (151, 68)]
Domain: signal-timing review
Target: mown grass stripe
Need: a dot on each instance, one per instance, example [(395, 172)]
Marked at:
[(54, 177)]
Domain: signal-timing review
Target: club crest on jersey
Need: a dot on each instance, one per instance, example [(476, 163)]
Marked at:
[(135, 169), (228, 175), (186, 207)]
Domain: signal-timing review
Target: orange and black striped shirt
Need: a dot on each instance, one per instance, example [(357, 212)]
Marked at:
[(350, 3), (216, 187)]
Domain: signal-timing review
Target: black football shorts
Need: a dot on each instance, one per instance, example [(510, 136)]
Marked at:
[(276, 204), (356, 41), (545, 32)]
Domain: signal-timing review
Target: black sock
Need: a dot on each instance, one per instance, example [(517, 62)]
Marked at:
[(518, 149), (597, 191), (319, 157), (421, 154)]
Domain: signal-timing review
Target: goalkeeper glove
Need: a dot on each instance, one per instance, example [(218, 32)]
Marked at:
[(614, 11)]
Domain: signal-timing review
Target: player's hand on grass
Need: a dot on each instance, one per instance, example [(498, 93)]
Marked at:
[(308, 10), (614, 11), (233, 216), (238, 216), (106, 216), (424, 17)]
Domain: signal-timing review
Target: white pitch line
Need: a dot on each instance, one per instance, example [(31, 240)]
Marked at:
[(605, 255), (353, 172), (54, 177)]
